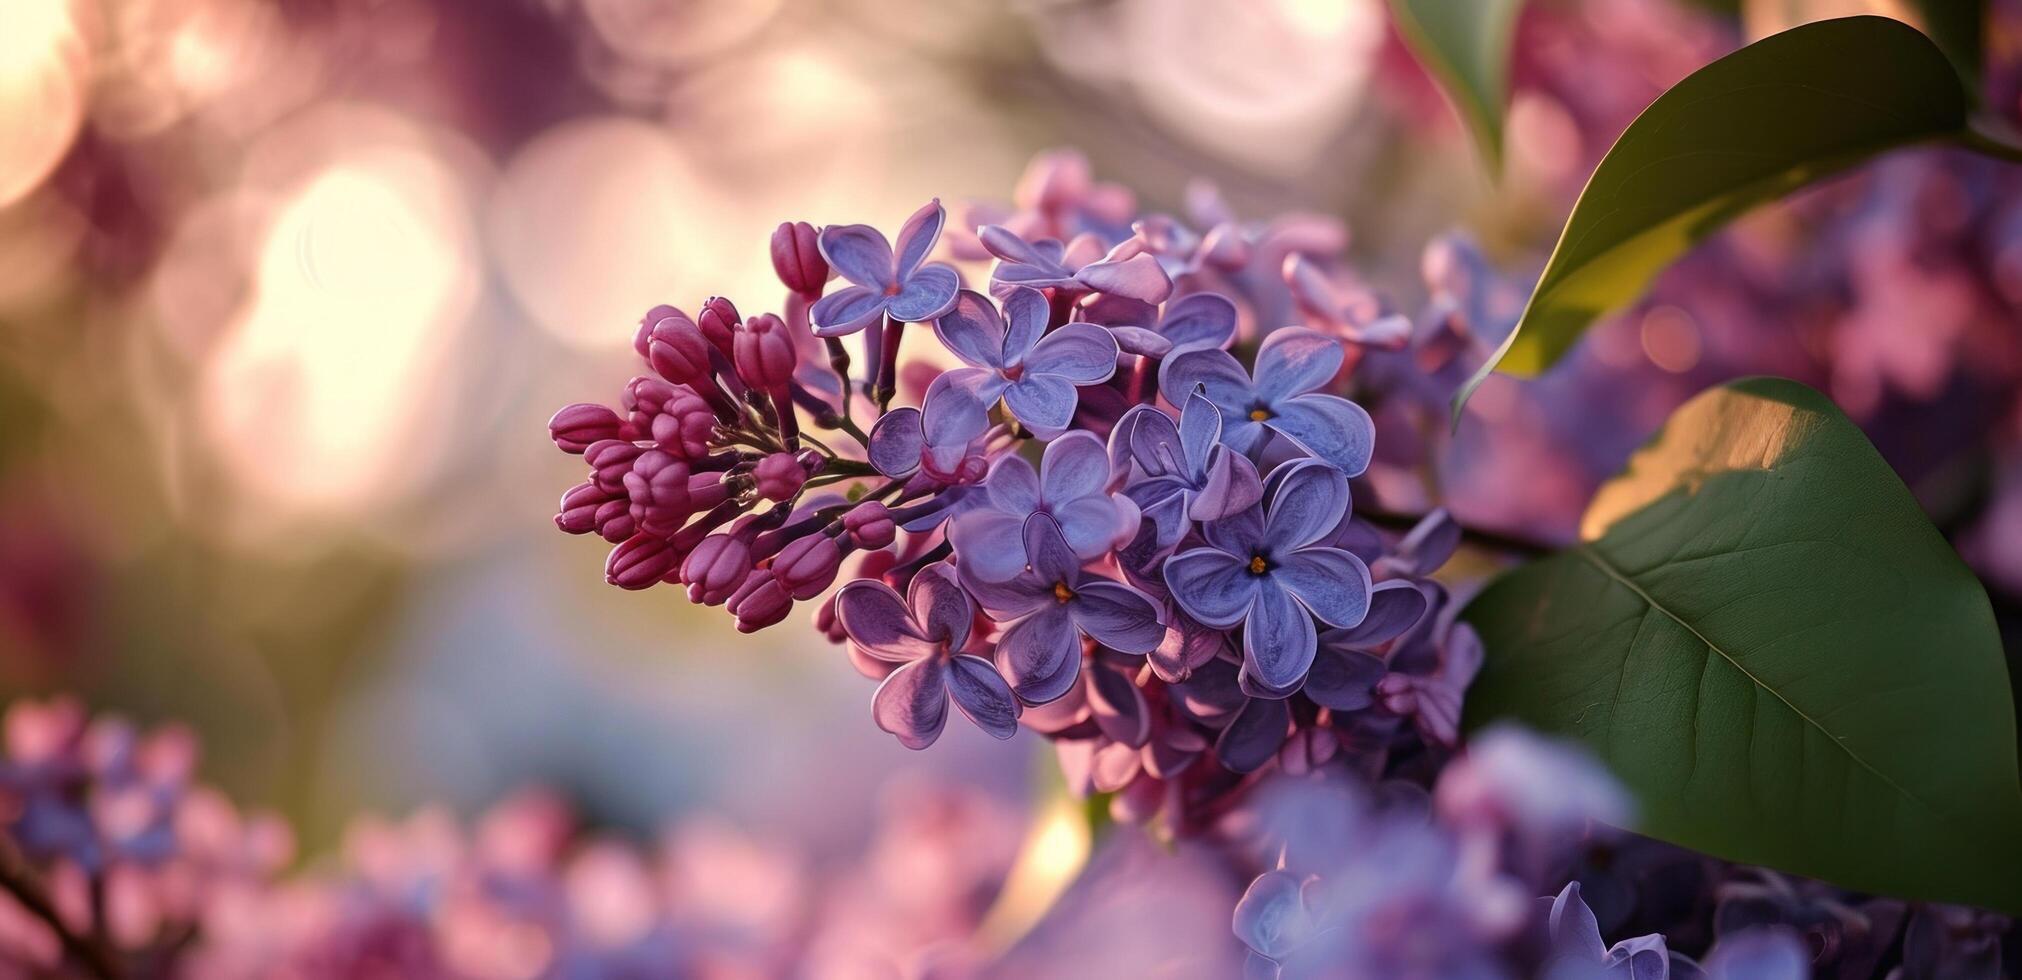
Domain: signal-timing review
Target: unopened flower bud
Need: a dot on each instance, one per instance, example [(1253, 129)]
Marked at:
[(716, 568), (760, 602), (614, 520), (797, 258), (610, 460), (719, 323), (658, 488), (764, 353), (653, 316), (808, 565), (579, 508), (639, 562), (779, 476), (574, 428), (678, 351), (685, 426), (827, 623), (870, 525)]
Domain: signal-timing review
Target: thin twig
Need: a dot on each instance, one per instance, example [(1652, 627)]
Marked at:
[(21, 881)]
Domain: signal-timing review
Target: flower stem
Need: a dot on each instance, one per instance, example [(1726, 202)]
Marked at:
[(20, 881)]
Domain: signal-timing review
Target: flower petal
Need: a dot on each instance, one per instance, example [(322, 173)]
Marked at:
[(1041, 655), (1254, 735), (1155, 442), (1199, 430), (1212, 586), (1186, 646), (1272, 918), (1216, 373), (859, 253), (1240, 533), (955, 410), (1331, 584), (1278, 639), (912, 703), (1138, 277), (878, 621), (1073, 466), (972, 330), (1025, 315), (1117, 616), (980, 691), (1294, 361), (1342, 679), (1334, 429), (917, 238), (1199, 321), (941, 608), (1013, 486), (1394, 607), (1139, 341), (1080, 353), (1043, 402), (989, 543), (1572, 929), (1091, 525), (927, 293), (1118, 706), (1308, 497), (1006, 245), (896, 442), (846, 311), (1230, 487), (1020, 595), (1052, 561)]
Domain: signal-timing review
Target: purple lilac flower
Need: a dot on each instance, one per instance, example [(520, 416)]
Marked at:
[(927, 632), (1081, 265), (1183, 472), (1014, 357), (1348, 662), (1056, 602), (904, 285), (1071, 486), (1579, 953), (1291, 366), (1197, 321), (940, 438), (1263, 570)]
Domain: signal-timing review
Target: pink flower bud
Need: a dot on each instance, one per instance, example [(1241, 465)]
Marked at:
[(716, 568), (779, 476), (764, 353), (870, 525), (685, 427), (797, 258), (610, 460), (653, 316), (641, 561), (719, 322), (658, 488), (678, 351), (579, 508), (807, 565), (645, 398), (827, 623), (760, 602), (574, 428), (614, 520)]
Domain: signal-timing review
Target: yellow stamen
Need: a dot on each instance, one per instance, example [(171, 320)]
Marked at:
[(1061, 592), (1258, 565), (1260, 415)]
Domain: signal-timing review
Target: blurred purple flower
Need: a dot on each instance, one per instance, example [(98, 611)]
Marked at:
[(1012, 356), (926, 632), (904, 285), (1071, 486), (1056, 602), (1261, 569), (1291, 366), (1187, 475)]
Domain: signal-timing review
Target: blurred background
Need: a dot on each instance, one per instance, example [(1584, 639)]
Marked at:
[(288, 289)]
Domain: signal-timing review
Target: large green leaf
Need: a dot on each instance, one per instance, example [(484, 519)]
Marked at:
[(1465, 44), (1776, 115), (1769, 643)]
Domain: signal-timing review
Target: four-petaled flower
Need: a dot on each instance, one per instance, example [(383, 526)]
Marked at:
[(1014, 357), (1071, 486), (1197, 321), (1078, 266), (1263, 570), (926, 631), (1291, 366), (904, 285), (1056, 602), (1188, 475), (941, 438)]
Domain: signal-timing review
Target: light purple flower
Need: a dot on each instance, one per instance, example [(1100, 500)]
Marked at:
[(1347, 664), (1071, 486), (1079, 266), (942, 438), (1186, 474), (1012, 356), (1197, 321), (1262, 569), (905, 285), (1291, 366), (926, 632), (1056, 603), (1578, 953)]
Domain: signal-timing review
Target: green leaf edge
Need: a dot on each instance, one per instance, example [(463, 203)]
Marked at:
[(1478, 106)]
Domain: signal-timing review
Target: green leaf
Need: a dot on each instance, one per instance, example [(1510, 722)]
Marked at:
[(1774, 116), (1465, 45), (1770, 644)]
